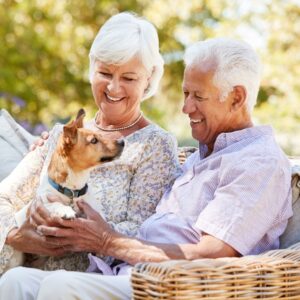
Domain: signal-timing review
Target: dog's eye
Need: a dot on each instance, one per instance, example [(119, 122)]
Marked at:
[(94, 140)]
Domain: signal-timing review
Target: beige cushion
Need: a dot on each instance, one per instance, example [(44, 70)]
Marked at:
[(14, 143), (292, 233)]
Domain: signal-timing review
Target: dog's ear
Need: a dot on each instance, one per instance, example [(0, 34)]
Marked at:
[(79, 118), (70, 133)]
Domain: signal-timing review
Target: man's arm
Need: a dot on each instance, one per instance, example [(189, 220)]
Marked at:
[(95, 235), (133, 250)]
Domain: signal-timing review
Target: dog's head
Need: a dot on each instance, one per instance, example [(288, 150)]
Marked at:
[(85, 148)]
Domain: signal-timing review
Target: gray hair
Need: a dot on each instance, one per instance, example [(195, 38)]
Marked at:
[(124, 36), (236, 63)]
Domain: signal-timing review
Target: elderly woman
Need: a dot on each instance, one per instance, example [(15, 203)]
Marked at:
[(125, 68)]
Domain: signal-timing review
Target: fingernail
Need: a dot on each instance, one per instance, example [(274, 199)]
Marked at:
[(39, 230)]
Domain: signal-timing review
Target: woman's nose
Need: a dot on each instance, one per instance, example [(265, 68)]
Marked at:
[(188, 105), (113, 85)]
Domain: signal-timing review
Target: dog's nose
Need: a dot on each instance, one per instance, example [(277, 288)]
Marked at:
[(121, 143)]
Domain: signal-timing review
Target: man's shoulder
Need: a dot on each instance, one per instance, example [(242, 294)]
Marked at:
[(260, 141)]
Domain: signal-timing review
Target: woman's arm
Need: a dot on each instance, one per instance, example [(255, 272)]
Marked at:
[(17, 190)]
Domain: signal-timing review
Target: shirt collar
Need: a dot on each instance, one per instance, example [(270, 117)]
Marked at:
[(226, 139)]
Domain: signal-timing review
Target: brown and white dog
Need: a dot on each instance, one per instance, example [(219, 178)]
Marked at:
[(77, 152)]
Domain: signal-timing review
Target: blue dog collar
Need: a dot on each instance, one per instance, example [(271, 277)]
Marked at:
[(68, 192)]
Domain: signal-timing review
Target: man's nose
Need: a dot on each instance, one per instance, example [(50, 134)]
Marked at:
[(188, 105)]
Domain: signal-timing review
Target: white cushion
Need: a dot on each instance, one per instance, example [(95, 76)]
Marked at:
[(14, 143), (291, 234)]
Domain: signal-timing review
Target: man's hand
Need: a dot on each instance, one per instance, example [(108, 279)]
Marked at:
[(39, 142), (28, 240), (89, 235)]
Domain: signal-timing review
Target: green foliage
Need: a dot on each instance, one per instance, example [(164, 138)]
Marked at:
[(45, 45)]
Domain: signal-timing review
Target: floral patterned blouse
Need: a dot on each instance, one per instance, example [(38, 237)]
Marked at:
[(128, 188)]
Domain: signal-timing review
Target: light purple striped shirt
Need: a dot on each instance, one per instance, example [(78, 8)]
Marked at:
[(241, 194)]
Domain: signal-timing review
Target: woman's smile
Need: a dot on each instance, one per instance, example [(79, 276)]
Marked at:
[(113, 99)]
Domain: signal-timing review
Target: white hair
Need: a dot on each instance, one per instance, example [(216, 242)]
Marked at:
[(124, 36), (235, 63)]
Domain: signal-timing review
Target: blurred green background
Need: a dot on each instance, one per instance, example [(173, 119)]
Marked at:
[(44, 47)]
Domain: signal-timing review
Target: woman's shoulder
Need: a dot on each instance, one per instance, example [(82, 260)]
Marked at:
[(54, 134), (56, 130), (154, 131)]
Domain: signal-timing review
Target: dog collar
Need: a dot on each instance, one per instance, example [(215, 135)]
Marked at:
[(68, 192)]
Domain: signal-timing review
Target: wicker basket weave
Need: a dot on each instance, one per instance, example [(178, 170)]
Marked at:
[(272, 275)]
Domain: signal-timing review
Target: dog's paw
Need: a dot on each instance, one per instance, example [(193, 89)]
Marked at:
[(68, 213), (57, 209)]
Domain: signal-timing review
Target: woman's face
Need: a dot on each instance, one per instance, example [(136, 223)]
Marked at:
[(118, 89)]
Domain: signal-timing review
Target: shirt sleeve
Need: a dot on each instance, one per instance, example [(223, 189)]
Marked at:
[(19, 188), (247, 203), (154, 173)]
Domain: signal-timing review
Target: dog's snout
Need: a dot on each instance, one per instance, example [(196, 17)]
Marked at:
[(121, 143)]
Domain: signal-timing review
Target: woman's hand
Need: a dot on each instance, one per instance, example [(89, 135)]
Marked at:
[(39, 142), (28, 240), (89, 235), (39, 215)]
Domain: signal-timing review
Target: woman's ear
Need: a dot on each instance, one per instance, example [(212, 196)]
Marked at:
[(239, 97), (148, 81)]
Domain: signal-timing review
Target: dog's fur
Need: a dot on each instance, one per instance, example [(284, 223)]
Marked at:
[(78, 151)]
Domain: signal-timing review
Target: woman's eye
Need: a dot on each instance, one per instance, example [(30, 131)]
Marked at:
[(105, 74), (129, 79), (94, 140)]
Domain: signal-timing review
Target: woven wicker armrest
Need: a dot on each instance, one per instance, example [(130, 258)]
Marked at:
[(184, 153), (272, 275)]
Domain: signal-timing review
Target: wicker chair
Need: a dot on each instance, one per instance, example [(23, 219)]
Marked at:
[(271, 275)]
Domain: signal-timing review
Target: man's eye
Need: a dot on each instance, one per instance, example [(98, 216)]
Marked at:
[(186, 94), (199, 98), (94, 140)]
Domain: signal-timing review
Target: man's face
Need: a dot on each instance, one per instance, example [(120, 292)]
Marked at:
[(208, 116)]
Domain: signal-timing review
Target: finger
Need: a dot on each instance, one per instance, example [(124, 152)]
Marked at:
[(32, 147), (88, 210), (45, 135), (54, 231), (42, 217), (36, 219), (42, 211), (33, 222), (59, 252), (39, 142), (64, 223), (57, 242)]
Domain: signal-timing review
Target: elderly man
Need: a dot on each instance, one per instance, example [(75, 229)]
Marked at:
[(232, 199)]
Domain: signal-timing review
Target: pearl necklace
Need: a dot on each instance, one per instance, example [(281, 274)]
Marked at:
[(118, 128)]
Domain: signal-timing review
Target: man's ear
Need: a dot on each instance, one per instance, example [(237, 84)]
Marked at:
[(239, 95), (70, 133)]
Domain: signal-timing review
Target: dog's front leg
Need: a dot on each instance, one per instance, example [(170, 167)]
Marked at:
[(57, 209)]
